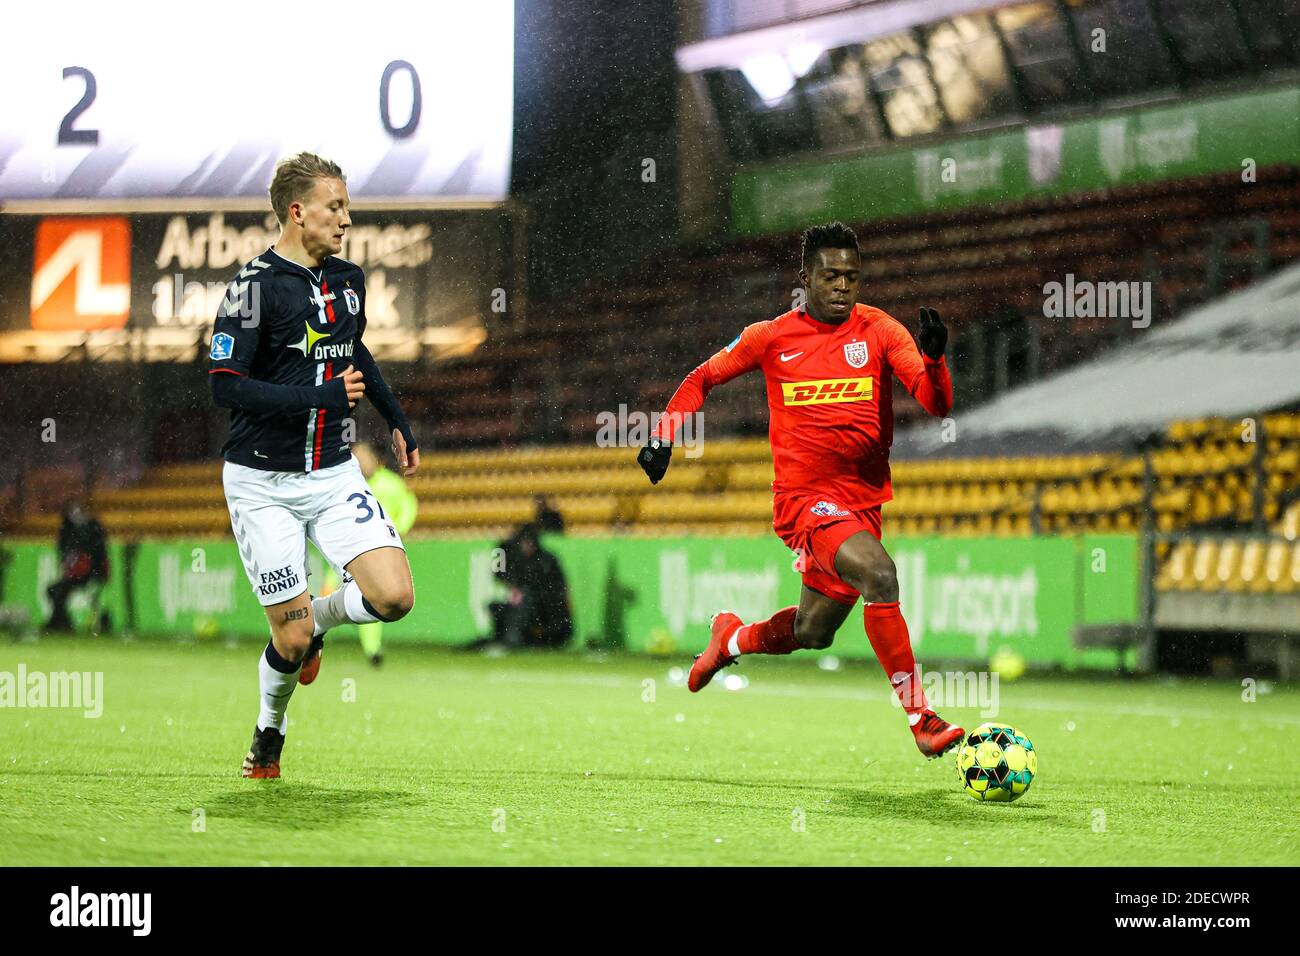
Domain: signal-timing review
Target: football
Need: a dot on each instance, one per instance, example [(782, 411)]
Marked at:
[(997, 763)]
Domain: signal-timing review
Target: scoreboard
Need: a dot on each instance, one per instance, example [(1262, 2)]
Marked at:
[(192, 101)]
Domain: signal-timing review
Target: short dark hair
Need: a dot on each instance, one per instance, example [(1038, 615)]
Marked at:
[(831, 235)]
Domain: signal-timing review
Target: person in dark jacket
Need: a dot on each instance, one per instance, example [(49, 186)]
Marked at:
[(548, 519), (537, 612), (83, 562)]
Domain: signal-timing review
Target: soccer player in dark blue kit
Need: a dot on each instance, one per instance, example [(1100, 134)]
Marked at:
[(289, 361)]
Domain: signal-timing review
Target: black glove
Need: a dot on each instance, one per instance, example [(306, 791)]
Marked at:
[(934, 334), (653, 458)]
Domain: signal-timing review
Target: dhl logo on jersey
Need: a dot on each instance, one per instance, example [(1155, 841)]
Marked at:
[(828, 391)]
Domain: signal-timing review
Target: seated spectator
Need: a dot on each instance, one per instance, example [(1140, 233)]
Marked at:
[(83, 563), (548, 519), (537, 612)]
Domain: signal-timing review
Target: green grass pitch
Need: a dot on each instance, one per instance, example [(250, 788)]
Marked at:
[(452, 758)]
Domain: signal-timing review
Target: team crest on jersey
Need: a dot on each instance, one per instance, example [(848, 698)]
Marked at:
[(855, 353), (353, 300), (223, 346), (828, 509)]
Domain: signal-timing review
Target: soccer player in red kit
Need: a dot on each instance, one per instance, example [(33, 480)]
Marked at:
[(829, 369)]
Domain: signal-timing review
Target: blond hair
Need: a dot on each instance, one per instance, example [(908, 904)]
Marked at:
[(294, 178)]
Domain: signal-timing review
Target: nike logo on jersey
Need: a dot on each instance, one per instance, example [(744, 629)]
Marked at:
[(786, 358), (259, 454)]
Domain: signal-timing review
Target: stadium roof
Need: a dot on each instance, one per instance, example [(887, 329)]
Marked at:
[(856, 25), (1237, 355)]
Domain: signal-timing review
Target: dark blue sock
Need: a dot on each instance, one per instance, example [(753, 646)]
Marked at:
[(371, 610), (277, 662)]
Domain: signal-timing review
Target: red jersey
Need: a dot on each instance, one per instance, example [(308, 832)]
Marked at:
[(831, 417)]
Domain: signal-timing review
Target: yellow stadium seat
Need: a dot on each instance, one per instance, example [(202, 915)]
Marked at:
[(697, 508), (749, 476), (1276, 566), (1228, 563), (1203, 564), (1290, 526), (475, 512), (1223, 504), (1179, 567), (1251, 566)]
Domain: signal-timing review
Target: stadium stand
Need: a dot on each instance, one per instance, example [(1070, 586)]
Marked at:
[(629, 341), (1201, 476)]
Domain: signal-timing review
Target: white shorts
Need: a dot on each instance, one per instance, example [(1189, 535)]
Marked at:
[(275, 513)]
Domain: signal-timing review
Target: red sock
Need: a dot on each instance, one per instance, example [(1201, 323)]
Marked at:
[(887, 632), (773, 636)]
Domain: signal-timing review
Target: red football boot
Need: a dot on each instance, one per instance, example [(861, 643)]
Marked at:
[(715, 656), (934, 735), (311, 663)]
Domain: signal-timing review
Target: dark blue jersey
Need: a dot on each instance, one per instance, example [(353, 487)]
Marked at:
[(284, 324)]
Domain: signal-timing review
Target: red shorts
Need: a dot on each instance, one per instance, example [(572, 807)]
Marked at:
[(814, 529)]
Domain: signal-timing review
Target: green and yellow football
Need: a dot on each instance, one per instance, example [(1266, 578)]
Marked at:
[(997, 763)]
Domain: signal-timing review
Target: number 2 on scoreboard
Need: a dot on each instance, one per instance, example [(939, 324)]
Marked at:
[(79, 137)]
